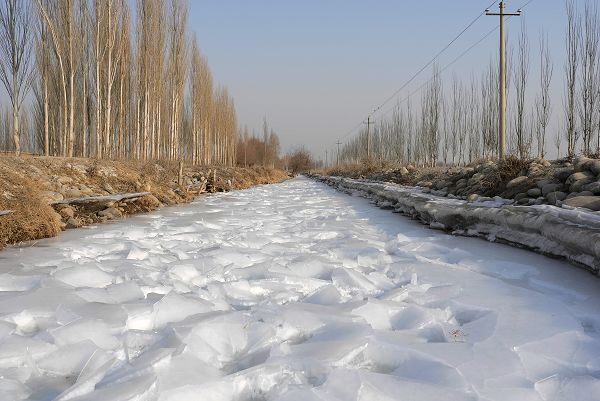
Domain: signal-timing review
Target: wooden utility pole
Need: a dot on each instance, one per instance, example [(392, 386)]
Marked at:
[(338, 153), (369, 122), (502, 88)]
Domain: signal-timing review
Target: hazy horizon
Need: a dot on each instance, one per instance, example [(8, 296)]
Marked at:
[(315, 69)]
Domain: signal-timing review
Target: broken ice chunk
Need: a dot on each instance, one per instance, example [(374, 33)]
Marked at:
[(84, 276)]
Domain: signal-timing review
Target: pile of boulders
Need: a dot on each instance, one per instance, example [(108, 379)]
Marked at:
[(561, 233), (573, 183), (75, 215)]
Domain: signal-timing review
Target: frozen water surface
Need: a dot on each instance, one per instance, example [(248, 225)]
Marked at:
[(292, 292)]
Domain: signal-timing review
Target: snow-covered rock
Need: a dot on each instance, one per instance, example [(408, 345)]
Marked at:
[(572, 234)]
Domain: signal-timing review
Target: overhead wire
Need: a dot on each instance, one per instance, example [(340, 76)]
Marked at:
[(431, 61), (454, 61)]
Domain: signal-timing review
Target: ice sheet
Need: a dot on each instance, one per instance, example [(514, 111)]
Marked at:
[(292, 292)]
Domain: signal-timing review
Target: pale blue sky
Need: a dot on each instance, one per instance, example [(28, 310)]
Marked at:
[(316, 68)]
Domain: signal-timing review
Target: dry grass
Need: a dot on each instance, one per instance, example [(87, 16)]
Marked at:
[(362, 169), (24, 179), (508, 169), (31, 218)]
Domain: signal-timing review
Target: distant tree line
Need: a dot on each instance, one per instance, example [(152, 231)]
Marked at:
[(254, 151), (456, 122), (87, 78)]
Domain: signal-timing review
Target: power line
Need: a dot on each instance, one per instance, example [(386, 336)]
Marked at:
[(454, 61), (464, 53), (422, 69), (474, 45), (431, 61)]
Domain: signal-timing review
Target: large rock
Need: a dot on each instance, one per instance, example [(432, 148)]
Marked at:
[(563, 173), (467, 171), (546, 189), (476, 178), (580, 176), (73, 223), (472, 198), (64, 180), (442, 184), (554, 197), (111, 213), (108, 188), (595, 167), (582, 163), (593, 187), (540, 184), (577, 186), (66, 212), (72, 193), (588, 202), (520, 196), (517, 182), (85, 190), (461, 183), (51, 196), (534, 192), (152, 202), (426, 184)]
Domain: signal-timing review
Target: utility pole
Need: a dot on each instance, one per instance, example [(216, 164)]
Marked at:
[(338, 154), (369, 122), (502, 97)]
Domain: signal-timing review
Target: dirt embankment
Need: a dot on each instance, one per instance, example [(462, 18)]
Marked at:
[(37, 193), (575, 183)]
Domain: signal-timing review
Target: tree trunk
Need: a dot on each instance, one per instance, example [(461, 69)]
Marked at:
[(16, 133)]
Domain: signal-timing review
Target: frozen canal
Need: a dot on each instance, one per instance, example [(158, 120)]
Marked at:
[(292, 292)]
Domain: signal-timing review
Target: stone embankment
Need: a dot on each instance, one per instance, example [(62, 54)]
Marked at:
[(537, 182), (41, 196), (573, 234)]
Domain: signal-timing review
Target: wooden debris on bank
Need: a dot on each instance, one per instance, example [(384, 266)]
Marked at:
[(5, 212), (101, 199)]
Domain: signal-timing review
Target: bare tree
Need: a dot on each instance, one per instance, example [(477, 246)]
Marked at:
[(521, 77), (432, 99), (43, 61), (571, 67), (543, 102), (177, 68), (588, 47), (456, 116), (113, 100), (16, 39), (60, 22)]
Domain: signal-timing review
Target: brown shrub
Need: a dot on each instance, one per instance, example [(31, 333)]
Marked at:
[(506, 170), (22, 179), (362, 169), (31, 218)]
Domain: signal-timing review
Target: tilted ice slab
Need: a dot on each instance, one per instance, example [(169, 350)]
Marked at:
[(291, 292), (570, 233)]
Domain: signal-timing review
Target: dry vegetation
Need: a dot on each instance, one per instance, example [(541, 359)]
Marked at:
[(28, 184), (495, 174), (31, 217)]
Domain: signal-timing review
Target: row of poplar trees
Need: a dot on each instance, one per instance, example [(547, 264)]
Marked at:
[(92, 79), (456, 122)]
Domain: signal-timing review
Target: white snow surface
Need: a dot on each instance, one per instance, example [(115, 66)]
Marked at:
[(292, 292)]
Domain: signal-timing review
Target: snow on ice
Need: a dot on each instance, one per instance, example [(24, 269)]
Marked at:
[(292, 292)]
